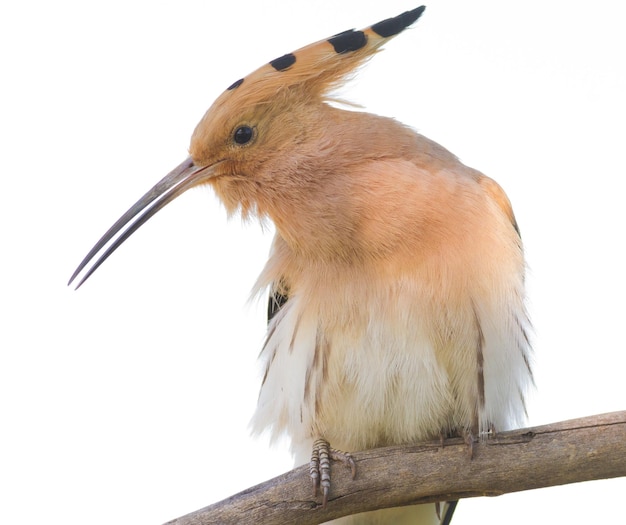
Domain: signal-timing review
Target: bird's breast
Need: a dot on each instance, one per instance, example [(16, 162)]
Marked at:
[(373, 358), (417, 327), (360, 365)]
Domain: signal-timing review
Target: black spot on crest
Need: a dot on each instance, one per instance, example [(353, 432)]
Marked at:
[(350, 40), (235, 84), (282, 63), (393, 26)]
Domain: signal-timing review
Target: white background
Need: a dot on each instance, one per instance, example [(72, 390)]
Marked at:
[(128, 401)]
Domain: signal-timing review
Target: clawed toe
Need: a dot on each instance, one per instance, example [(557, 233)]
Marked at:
[(319, 467), (469, 439)]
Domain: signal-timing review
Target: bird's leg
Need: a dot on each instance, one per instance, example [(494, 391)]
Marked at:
[(470, 437), (319, 468), (449, 434)]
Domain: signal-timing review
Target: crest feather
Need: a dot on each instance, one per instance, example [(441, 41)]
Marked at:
[(319, 67)]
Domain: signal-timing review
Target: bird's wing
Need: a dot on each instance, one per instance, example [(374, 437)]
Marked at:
[(497, 194), (278, 297)]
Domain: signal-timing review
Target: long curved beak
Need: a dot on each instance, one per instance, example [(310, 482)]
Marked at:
[(175, 183)]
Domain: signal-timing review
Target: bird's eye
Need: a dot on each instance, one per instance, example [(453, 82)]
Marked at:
[(243, 134)]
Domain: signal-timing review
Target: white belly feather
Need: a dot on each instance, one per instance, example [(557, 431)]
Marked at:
[(388, 366)]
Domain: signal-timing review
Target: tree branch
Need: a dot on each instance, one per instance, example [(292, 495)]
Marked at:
[(567, 452)]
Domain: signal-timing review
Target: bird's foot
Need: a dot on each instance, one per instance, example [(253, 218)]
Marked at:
[(319, 468), (447, 434), (470, 439)]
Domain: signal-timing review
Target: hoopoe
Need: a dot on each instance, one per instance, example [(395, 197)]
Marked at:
[(396, 274)]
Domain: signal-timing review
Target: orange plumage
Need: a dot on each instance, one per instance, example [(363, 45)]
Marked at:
[(396, 274)]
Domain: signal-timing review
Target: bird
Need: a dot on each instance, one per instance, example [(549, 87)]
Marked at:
[(396, 276)]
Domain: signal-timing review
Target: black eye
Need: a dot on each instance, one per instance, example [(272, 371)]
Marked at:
[(243, 134)]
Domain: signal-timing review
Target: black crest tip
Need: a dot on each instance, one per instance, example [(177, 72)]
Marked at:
[(393, 26)]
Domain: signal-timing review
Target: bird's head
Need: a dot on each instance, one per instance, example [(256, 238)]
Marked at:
[(254, 142)]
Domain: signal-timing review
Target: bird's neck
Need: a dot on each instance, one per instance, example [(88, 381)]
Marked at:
[(322, 192)]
